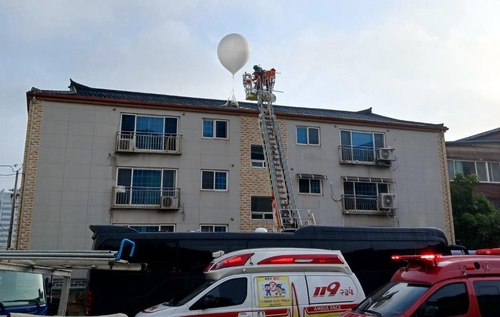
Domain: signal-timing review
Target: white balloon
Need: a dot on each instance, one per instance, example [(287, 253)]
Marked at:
[(233, 52)]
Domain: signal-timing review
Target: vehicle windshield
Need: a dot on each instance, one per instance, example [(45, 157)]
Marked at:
[(391, 300), (21, 289), (190, 296)]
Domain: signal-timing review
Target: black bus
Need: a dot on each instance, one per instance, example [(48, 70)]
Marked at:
[(176, 260)]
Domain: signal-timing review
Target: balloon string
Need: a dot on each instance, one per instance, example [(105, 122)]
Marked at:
[(232, 90)]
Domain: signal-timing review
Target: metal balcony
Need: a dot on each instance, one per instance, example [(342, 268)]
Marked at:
[(146, 197), (363, 204), (357, 154), (146, 142)]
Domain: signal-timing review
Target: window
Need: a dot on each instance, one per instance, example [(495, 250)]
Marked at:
[(363, 195), (261, 208), (229, 293), (487, 171), (393, 298), (213, 228), (488, 297), (216, 129), (214, 180), (309, 186), (450, 300), (144, 186), (150, 133), (308, 135), (149, 228), (257, 156), (360, 146)]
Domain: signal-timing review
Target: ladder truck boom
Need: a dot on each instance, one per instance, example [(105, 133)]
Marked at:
[(259, 86)]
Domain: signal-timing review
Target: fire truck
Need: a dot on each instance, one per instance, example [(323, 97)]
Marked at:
[(436, 285)]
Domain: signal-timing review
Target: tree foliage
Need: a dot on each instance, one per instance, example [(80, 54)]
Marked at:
[(476, 220)]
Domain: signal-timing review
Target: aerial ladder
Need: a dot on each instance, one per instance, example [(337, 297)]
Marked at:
[(259, 87)]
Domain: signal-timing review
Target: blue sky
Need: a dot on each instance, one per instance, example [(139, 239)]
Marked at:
[(428, 61)]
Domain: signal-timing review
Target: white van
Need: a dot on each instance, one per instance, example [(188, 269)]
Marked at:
[(273, 282)]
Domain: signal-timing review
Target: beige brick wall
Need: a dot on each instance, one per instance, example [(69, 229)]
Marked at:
[(445, 185), (30, 164), (253, 181)]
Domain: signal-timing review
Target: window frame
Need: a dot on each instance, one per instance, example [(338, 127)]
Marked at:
[(131, 186), (440, 288), (214, 180), (160, 226), (261, 213), (308, 128), (479, 286), (489, 171), (213, 227), (355, 197), (214, 129), (135, 134), (258, 163), (232, 288), (350, 148), (310, 187), (149, 116)]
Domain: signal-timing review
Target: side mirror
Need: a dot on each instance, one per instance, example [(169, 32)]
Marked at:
[(431, 311)]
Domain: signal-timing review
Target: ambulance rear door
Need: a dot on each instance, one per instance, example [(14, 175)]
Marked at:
[(331, 293), (278, 294)]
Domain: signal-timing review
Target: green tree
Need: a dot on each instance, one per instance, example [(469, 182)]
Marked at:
[(476, 220)]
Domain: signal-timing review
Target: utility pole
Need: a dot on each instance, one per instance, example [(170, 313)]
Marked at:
[(12, 210)]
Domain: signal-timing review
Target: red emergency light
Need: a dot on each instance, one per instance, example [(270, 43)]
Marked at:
[(430, 257), (237, 260), (488, 251), (304, 259)]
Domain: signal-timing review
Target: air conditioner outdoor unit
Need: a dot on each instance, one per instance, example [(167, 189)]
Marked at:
[(126, 144), (169, 202), (387, 201), (385, 154)]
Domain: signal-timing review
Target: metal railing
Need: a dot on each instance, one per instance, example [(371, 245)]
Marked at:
[(148, 142), (362, 203), (357, 154), (148, 197)]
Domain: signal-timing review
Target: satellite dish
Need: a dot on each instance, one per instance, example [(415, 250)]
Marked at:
[(233, 52)]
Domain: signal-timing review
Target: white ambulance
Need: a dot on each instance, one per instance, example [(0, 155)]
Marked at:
[(272, 282)]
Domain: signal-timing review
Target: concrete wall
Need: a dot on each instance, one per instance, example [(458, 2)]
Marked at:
[(416, 173), (77, 170)]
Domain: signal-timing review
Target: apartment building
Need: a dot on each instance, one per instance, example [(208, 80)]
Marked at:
[(169, 163), (5, 212), (478, 154)]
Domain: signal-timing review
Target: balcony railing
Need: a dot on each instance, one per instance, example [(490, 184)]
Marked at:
[(148, 142), (146, 197), (356, 154), (363, 204)]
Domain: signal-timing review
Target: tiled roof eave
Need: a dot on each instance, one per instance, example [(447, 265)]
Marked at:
[(246, 108)]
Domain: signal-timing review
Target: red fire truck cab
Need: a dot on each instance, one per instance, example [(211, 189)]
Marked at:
[(434, 285)]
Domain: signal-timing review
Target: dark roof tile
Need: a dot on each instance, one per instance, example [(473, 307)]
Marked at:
[(363, 115)]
